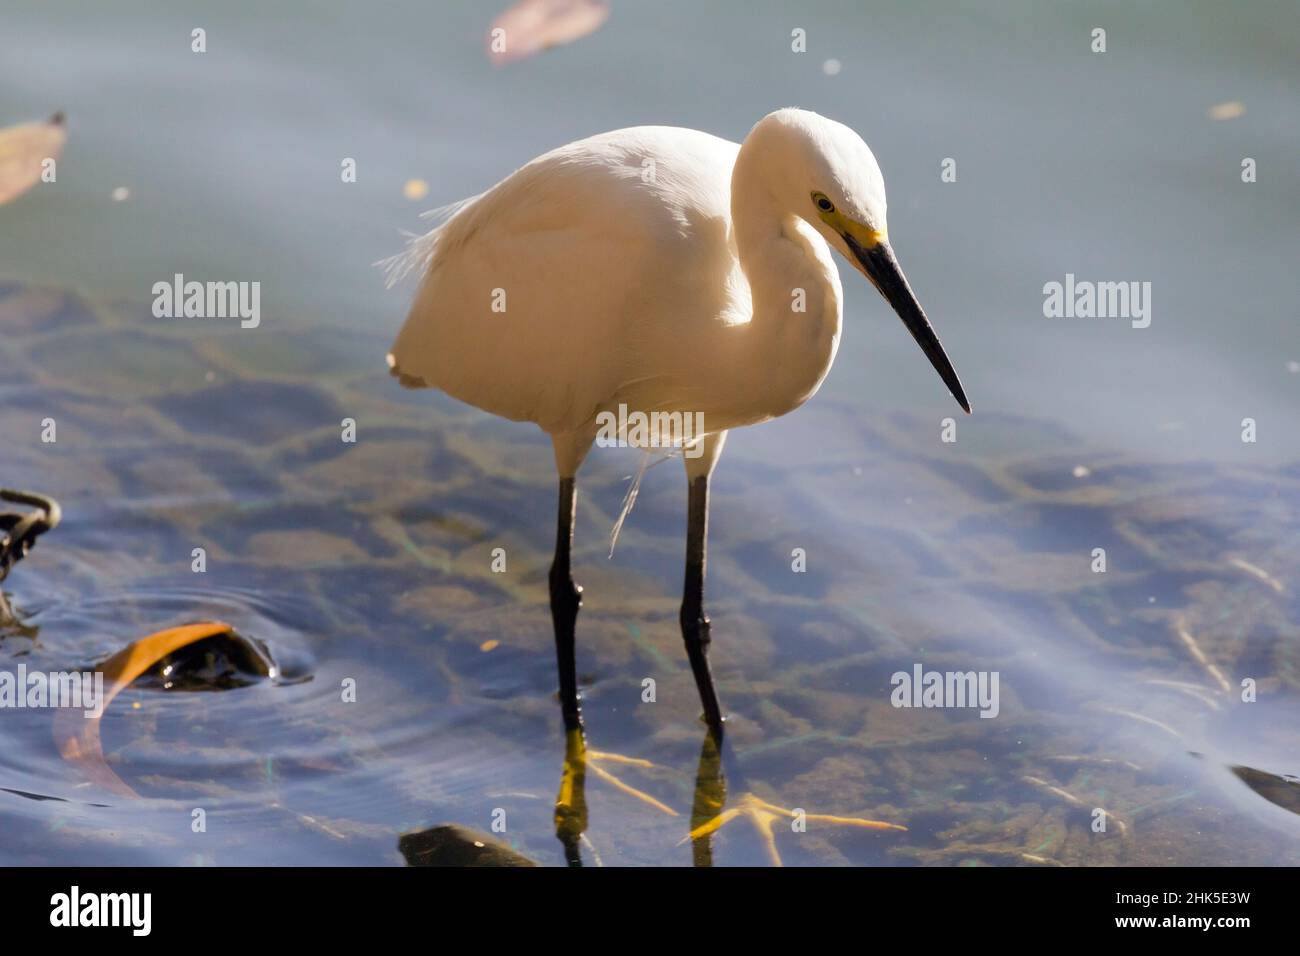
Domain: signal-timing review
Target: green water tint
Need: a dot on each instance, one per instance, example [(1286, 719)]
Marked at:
[(372, 562)]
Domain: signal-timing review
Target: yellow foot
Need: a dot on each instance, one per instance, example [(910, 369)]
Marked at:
[(596, 757), (763, 815), (578, 760)]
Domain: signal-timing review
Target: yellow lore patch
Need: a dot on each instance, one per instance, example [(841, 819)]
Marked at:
[(864, 235)]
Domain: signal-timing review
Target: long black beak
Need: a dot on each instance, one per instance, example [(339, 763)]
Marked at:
[(885, 274)]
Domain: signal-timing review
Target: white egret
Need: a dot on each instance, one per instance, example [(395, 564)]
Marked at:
[(653, 270)]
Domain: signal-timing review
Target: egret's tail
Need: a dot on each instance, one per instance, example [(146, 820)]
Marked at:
[(420, 248)]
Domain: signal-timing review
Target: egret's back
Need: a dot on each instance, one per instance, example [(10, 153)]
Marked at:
[(576, 275)]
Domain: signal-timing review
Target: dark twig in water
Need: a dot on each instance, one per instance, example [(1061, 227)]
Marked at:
[(19, 531)]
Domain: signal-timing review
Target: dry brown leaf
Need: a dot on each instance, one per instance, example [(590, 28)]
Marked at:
[(531, 26), (23, 151)]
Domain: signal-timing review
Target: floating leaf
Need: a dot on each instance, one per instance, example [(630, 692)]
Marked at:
[(1227, 111), (23, 151), (78, 735), (531, 26)]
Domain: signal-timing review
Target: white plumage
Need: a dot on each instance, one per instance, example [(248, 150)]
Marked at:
[(596, 275), (609, 271)]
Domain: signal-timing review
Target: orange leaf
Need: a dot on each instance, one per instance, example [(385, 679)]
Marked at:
[(78, 735), (23, 151), (531, 26)]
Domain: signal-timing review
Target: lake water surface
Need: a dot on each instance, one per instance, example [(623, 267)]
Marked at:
[(370, 561)]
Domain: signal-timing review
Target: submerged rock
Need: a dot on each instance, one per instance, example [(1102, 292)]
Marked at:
[(455, 845), (221, 662)]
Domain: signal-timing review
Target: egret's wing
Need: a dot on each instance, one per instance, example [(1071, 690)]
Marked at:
[(540, 295)]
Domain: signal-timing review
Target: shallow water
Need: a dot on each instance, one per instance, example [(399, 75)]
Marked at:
[(371, 561)]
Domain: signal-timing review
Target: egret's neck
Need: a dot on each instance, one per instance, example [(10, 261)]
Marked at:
[(795, 287)]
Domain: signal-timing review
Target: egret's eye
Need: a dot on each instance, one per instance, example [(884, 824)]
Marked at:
[(824, 204)]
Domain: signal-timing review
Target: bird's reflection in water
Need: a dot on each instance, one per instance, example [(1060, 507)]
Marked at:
[(709, 810), (571, 801)]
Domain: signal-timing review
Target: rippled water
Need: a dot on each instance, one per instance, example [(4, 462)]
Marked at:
[(371, 561)]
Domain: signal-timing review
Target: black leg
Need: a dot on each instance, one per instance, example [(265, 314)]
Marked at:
[(695, 626), (566, 598)]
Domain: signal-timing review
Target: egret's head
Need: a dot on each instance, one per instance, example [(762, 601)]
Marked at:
[(825, 174)]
